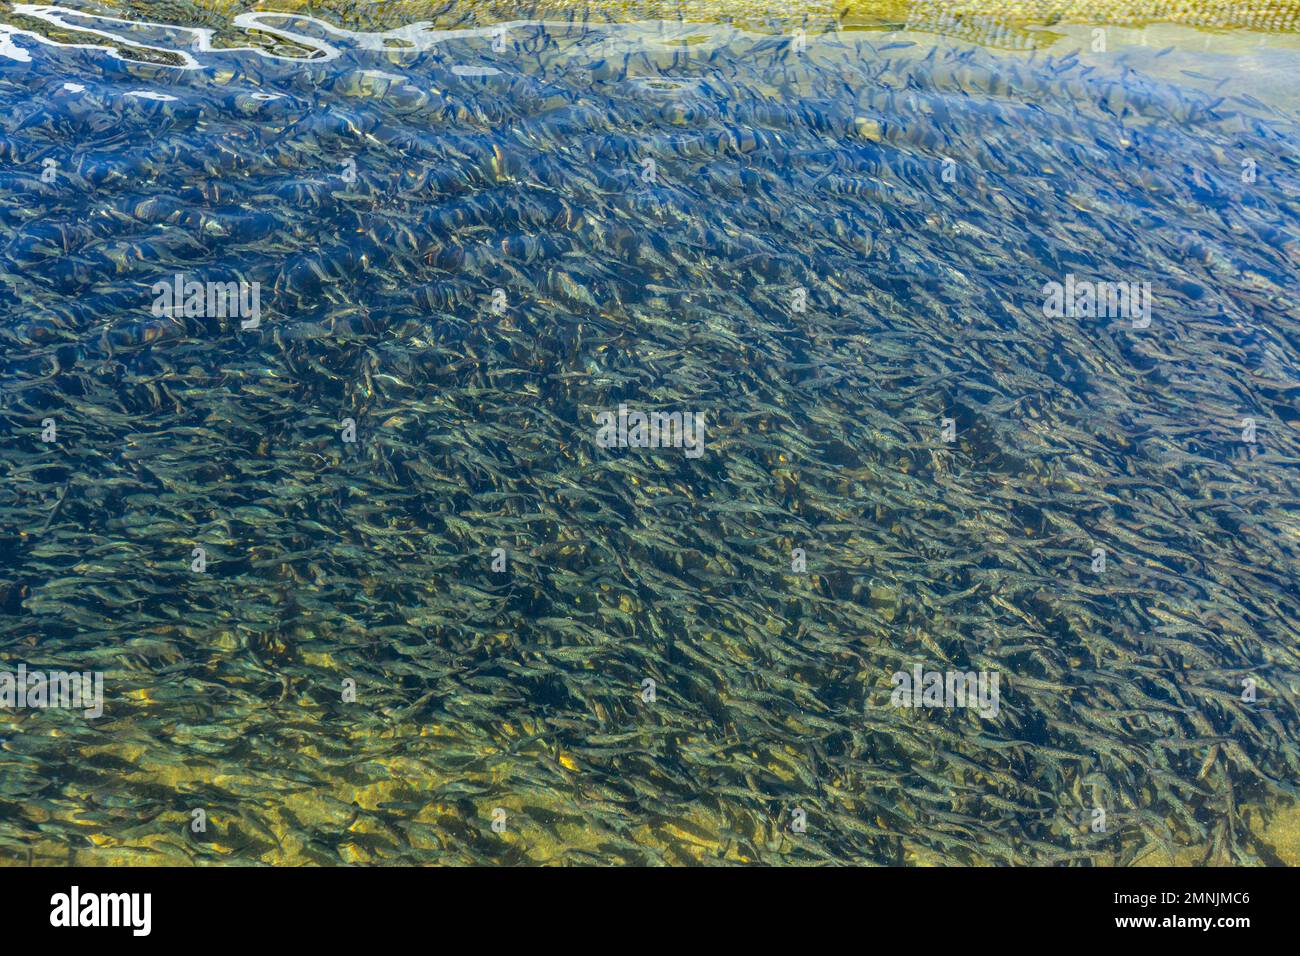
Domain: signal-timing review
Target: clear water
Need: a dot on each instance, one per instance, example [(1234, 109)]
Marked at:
[(838, 250)]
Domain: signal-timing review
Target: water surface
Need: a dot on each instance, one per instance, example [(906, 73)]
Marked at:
[(470, 242)]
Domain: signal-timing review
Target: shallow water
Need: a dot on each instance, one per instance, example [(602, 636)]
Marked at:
[(836, 247)]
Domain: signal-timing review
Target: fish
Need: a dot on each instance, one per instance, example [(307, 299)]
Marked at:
[(428, 592)]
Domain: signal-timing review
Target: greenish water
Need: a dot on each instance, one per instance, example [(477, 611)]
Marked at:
[(366, 566)]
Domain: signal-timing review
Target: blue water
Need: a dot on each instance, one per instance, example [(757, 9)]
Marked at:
[(429, 589)]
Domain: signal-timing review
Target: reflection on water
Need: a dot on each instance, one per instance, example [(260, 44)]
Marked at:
[(598, 443)]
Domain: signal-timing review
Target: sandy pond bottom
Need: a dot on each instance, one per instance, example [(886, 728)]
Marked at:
[(836, 254)]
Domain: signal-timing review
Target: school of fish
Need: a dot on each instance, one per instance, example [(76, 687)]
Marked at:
[(472, 635)]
